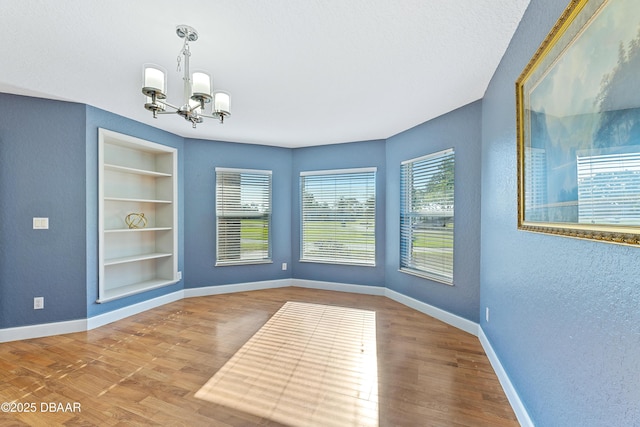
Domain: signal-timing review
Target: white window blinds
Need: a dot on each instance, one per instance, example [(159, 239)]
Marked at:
[(426, 216), (338, 216), (243, 216)]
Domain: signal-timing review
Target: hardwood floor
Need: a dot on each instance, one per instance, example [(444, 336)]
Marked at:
[(146, 369)]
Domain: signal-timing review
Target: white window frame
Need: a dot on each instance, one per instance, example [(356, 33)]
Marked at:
[(434, 263), (240, 214), (337, 246)]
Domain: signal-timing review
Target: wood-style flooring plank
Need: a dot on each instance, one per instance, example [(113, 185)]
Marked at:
[(146, 369)]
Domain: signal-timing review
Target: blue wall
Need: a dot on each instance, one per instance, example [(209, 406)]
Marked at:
[(461, 130), (42, 174), (340, 156), (96, 118), (202, 157), (565, 313), (50, 169)]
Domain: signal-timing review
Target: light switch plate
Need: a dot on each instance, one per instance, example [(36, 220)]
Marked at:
[(40, 223)]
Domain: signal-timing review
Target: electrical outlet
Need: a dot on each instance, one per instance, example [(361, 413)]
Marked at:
[(38, 303), (179, 275), (284, 265), (486, 314)]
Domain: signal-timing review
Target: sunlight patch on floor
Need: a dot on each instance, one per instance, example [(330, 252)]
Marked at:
[(309, 365)]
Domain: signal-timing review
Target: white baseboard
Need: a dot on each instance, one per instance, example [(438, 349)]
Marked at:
[(509, 390), (47, 329), (442, 315), (238, 287), (339, 287), (42, 330), (121, 313)]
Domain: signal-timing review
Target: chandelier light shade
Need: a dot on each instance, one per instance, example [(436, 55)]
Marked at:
[(201, 86), (154, 79), (221, 102), (197, 88)]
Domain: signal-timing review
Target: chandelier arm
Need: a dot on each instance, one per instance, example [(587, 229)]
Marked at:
[(218, 116), (209, 116), (193, 108), (166, 104)]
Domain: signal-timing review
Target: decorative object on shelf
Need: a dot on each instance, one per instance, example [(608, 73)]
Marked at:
[(578, 126), (197, 88), (136, 220)]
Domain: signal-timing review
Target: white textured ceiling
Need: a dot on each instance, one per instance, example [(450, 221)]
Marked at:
[(300, 72)]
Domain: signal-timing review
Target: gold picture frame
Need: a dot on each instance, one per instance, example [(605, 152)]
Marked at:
[(578, 126)]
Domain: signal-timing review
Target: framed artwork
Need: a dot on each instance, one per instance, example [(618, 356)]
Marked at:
[(578, 126)]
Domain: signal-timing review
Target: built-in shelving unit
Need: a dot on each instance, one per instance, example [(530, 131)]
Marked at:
[(136, 176)]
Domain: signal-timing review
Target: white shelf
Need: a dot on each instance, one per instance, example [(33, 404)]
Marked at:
[(136, 176), (135, 258), (129, 200), (137, 230), (118, 168), (134, 288)]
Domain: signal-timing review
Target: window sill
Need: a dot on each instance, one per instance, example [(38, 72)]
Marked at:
[(448, 282), (242, 262), (355, 264)]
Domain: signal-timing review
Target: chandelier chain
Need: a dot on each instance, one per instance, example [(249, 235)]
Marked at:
[(184, 51)]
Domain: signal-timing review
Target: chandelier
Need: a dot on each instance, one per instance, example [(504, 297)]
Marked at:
[(197, 88)]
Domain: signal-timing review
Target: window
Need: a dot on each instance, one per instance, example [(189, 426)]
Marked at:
[(243, 216), (338, 216), (426, 216)]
